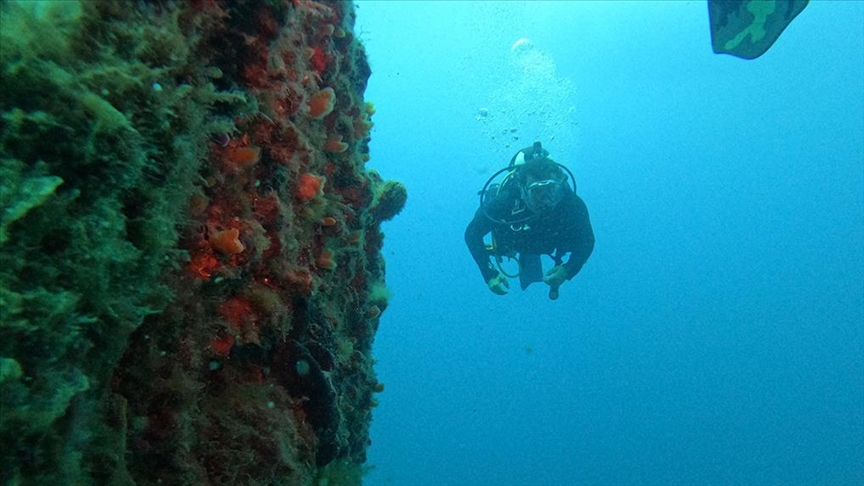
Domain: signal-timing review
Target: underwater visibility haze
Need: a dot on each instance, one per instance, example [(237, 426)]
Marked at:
[(716, 334)]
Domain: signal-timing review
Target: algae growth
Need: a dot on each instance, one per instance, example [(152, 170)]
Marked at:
[(168, 311)]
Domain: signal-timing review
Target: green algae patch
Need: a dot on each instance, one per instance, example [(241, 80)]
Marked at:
[(18, 197), (95, 169), (190, 248)]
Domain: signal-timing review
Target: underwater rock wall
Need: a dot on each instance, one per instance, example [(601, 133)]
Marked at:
[(190, 248)]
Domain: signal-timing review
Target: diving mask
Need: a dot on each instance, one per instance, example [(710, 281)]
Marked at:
[(543, 195)]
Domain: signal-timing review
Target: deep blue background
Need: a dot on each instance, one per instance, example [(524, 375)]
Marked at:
[(716, 336)]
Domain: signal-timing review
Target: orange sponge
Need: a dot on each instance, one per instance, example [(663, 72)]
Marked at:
[(334, 144), (329, 221), (244, 155), (308, 186), (325, 260), (321, 103), (228, 241)]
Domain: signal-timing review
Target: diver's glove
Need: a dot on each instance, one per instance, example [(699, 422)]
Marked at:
[(556, 276), (499, 284)]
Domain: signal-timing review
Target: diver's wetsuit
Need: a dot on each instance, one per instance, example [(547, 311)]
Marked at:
[(566, 228)]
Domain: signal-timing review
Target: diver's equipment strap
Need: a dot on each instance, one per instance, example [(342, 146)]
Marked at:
[(499, 259), (556, 257)]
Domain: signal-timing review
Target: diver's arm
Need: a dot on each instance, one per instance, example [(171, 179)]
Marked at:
[(479, 227), (583, 238)]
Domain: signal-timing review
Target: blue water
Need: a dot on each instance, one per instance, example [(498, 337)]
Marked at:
[(716, 335)]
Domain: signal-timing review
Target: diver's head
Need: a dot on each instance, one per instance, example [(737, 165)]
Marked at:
[(542, 183), (542, 196)]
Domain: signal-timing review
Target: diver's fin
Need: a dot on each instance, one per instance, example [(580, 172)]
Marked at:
[(530, 270), (748, 28)]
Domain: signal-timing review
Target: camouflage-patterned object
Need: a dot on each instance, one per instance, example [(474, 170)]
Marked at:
[(748, 28)]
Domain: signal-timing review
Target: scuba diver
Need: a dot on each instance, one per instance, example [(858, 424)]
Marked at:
[(534, 211)]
